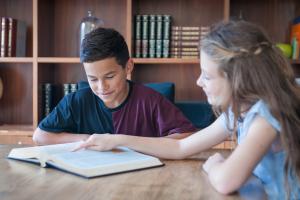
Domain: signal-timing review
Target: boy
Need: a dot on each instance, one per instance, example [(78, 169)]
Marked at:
[(111, 104)]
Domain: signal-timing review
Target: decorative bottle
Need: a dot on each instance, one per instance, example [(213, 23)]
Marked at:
[(88, 24)]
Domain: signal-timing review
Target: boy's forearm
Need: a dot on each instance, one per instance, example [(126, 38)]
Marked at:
[(46, 138), (66, 137)]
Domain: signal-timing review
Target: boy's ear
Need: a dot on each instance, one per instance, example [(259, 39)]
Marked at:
[(129, 67)]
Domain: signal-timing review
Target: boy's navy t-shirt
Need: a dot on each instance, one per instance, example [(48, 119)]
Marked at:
[(145, 112)]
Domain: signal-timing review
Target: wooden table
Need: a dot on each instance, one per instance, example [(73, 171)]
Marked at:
[(179, 179)]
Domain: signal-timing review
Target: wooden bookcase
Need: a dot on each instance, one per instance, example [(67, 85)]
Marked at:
[(52, 47)]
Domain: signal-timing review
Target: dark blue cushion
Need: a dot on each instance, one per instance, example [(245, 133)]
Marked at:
[(165, 88), (199, 113)]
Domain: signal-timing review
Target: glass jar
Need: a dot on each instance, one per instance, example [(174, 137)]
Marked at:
[(88, 24)]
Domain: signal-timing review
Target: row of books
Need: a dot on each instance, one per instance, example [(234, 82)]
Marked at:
[(152, 36), (185, 40), (51, 94), (12, 37)]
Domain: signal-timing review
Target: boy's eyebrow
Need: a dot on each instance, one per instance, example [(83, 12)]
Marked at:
[(108, 73)]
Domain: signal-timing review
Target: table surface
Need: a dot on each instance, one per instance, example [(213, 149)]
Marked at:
[(178, 179)]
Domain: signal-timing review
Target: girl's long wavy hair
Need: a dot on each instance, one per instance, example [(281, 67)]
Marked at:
[(256, 69)]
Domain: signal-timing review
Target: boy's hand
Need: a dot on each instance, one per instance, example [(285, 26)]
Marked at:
[(212, 161), (99, 142)]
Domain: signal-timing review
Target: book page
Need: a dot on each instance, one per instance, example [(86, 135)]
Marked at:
[(87, 159), (24, 153), (58, 148), (38, 154)]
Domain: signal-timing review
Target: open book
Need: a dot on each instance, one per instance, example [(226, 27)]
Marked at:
[(86, 163)]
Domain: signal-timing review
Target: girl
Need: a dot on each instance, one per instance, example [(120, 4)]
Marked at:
[(247, 80)]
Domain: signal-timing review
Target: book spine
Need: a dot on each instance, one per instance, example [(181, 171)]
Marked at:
[(186, 28), (166, 35), (186, 33), (185, 49), (145, 35), (180, 37), (204, 31), (159, 36), (48, 98), (66, 89), (184, 56), (152, 36), (189, 56), (73, 87), (4, 37), (181, 53), (138, 36), (193, 44), (12, 36)]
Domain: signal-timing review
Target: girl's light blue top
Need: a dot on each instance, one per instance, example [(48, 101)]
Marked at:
[(270, 170)]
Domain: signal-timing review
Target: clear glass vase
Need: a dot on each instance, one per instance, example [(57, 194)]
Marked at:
[(88, 24)]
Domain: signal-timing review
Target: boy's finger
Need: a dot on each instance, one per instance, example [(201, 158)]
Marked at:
[(81, 146)]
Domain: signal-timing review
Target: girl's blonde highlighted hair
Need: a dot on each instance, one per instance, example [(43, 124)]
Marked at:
[(256, 69)]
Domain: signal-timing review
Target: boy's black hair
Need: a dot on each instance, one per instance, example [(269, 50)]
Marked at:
[(103, 43)]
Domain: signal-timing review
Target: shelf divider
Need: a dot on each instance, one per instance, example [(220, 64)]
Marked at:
[(16, 60), (58, 60)]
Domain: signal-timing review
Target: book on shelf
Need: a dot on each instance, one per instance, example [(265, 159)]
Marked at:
[(85, 163), (185, 33), (69, 88), (185, 56), (192, 44), (152, 36), (4, 37), (184, 49), (66, 88), (13, 37), (189, 53), (183, 38), (185, 28), (145, 36), (53, 93), (47, 98), (159, 36), (191, 28), (16, 38), (166, 35), (138, 36), (73, 87), (202, 31)]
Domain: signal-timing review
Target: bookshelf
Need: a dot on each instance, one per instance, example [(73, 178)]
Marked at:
[(52, 47)]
